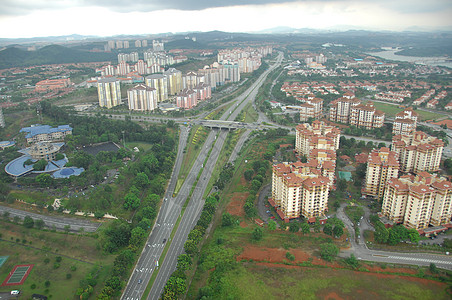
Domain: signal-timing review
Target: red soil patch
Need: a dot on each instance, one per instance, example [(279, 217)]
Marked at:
[(235, 205), (390, 270), (243, 224), (278, 255), (332, 296)]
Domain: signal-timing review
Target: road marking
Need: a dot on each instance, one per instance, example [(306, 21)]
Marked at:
[(422, 259)]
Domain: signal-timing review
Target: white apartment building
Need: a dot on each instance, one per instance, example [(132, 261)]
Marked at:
[(174, 81), (142, 98)]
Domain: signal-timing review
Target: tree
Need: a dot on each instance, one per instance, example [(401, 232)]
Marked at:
[(44, 180), (28, 222), (137, 236), (433, 268), (338, 231), (142, 180), (226, 219), (39, 223), (328, 229), (413, 235), (145, 223), (248, 174), (328, 251), (195, 235), (317, 225), (294, 227), (190, 247), (40, 165), (184, 262), (131, 201), (352, 261), (271, 225), (381, 234), (305, 228), (257, 234)]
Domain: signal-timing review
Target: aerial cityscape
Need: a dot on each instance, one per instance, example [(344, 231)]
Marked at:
[(175, 150)]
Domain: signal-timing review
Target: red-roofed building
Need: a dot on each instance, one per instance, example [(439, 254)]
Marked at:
[(418, 201), (382, 165)]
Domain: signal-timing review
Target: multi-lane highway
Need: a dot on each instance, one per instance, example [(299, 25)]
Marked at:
[(172, 207)]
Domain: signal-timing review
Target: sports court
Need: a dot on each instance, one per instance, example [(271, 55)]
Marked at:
[(18, 275)]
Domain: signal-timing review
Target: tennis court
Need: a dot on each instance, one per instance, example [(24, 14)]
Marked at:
[(18, 275)]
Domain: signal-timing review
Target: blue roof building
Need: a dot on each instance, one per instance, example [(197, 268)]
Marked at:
[(39, 133)]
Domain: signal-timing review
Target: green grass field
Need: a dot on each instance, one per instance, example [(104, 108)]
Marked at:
[(79, 255), (251, 281), (392, 109), (140, 145)]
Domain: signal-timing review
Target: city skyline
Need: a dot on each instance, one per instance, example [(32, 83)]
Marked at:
[(55, 18)]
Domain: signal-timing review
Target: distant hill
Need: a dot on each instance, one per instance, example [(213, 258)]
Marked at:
[(53, 54)]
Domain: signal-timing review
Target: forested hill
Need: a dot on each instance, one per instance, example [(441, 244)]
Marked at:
[(53, 54)]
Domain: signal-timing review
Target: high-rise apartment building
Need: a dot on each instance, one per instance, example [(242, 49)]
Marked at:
[(123, 68), (187, 99), (418, 201), (160, 83), (405, 122), (2, 119), (341, 108), (418, 152), (142, 98), (174, 79), (365, 115), (311, 108), (141, 67), (158, 46), (297, 190), (316, 136), (382, 165), (109, 92)]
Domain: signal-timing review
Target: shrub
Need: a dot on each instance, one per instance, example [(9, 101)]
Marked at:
[(46, 260), (56, 265), (47, 283), (290, 256), (73, 268), (68, 276), (58, 259), (33, 286)]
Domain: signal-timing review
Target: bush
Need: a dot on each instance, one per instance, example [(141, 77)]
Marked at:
[(46, 260), (68, 276), (47, 283), (290, 256), (73, 268), (329, 251), (257, 234), (33, 286), (56, 265), (58, 259)]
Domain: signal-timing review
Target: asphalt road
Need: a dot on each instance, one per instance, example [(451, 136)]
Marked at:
[(359, 248), (51, 221), (171, 209)]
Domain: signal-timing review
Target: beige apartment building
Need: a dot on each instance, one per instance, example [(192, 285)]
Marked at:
[(174, 81), (418, 152), (298, 191), (365, 115), (142, 98), (418, 201), (160, 83), (382, 165), (316, 136), (405, 122), (340, 110), (311, 108), (109, 92)]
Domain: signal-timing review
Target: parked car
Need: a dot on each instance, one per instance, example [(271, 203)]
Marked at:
[(15, 292)]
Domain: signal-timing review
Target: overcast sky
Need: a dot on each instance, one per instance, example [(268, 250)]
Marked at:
[(36, 18)]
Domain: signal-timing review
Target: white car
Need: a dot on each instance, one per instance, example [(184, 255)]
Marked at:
[(15, 292)]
